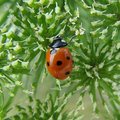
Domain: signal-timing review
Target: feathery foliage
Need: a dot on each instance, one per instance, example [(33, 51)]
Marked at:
[(26, 30)]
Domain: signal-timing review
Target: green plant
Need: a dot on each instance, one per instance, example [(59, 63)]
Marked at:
[(26, 31), (49, 109)]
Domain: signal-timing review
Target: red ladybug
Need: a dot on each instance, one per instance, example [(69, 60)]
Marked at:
[(58, 59)]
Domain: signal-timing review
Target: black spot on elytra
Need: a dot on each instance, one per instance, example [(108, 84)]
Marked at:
[(59, 63), (68, 58), (48, 64), (67, 73)]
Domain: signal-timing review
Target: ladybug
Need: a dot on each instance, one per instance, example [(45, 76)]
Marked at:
[(59, 59)]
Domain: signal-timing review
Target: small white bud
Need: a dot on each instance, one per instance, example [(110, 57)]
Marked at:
[(77, 13), (18, 83), (101, 65), (85, 5), (77, 32), (12, 95), (77, 44), (17, 48), (15, 63), (30, 2), (81, 31), (52, 26), (102, 37), (42, 1), (117, 23), (62, 31), (109, 15), (118, 45), (105, 31), (51, 1), (1, 45), (93, 11), (2, 54), (67, 8), (97, 23), (99, 5), (48, 16), (6, 68), (10, 57), (114, 33), (8, 34), (32, 25), (8, 44), (20, 7), (111, 1), (95, 32), (40, 29), (25, 64), (57, 9), (4, 29)]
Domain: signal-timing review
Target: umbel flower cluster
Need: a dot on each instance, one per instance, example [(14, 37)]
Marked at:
[(106, 18), (50, 109), (25, 34)]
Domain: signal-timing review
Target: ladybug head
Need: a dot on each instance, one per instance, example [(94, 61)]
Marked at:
[(57, 42)]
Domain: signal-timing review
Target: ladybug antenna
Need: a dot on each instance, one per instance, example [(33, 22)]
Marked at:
[(71, 39)]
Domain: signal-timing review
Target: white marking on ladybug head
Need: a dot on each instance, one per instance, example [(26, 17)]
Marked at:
[(62, 40)]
